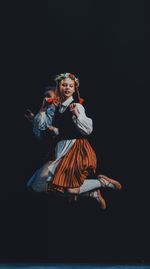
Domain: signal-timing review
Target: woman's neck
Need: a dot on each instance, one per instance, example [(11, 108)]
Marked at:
[(65, 99)]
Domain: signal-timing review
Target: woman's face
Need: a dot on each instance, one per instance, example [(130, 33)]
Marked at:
[(50, 94), (66, 88)]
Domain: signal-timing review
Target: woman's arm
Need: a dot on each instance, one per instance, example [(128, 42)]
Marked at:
[(82, 122), (43, 122)]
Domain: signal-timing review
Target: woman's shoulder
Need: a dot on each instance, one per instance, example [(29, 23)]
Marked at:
[(79, 105)]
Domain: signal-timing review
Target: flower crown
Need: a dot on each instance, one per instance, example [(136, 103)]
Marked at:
[(62, 76)]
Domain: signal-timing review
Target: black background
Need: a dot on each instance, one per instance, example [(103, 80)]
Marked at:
[(106, 44)]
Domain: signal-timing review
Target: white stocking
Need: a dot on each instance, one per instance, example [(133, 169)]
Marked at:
[(90, 185)]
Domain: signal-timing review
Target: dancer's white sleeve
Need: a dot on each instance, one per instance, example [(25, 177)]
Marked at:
[(43, 120), (82, 122)]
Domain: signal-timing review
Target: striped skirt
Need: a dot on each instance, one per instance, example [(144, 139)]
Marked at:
[(74, 167)]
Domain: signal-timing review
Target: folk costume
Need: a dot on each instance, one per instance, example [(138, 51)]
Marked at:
[(74, 156)]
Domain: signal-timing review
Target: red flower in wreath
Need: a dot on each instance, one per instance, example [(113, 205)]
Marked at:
[(72, 76)]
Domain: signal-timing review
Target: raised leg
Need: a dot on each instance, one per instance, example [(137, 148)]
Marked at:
[(98, 196)]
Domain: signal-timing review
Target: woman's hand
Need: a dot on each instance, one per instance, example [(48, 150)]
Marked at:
[(53, 129), (29, 115), (74, 109)]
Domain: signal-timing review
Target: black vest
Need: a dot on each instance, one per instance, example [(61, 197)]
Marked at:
[(64, 122)]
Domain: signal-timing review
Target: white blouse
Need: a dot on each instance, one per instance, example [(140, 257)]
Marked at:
[(43, 120)]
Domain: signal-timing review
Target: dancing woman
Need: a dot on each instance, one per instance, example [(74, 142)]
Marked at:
[(75, 159)]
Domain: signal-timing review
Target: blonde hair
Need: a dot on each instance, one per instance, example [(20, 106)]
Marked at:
[(62, 76)]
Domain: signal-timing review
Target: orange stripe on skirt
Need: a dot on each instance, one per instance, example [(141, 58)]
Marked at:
[(75, 166)]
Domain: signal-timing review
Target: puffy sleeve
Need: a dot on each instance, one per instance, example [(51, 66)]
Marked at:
[(43, 120), (82, 122)]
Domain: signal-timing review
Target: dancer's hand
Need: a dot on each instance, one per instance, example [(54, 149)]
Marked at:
[(74, 109), (29, 115), (53, 129), (45, 104)]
